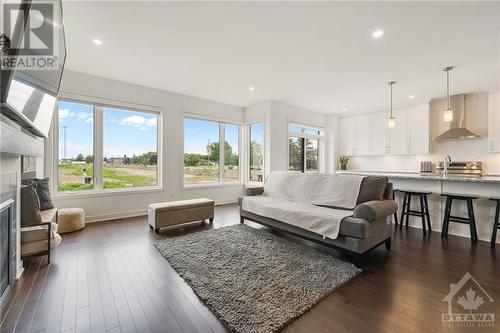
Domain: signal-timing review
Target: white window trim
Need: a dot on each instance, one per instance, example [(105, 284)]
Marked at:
[(221, 122), (247, 149), (320, 137), (98, 138)]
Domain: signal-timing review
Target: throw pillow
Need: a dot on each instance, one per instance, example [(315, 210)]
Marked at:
[(372, 188), (42, 189), (30, 205)]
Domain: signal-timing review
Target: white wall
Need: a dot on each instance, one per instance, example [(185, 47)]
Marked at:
[(105, 206), (477, 121)]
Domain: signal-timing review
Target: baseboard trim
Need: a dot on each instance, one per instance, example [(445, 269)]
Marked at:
[(136, 213)]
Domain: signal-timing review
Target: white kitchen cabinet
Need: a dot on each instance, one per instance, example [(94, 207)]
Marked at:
[(347, 131), (363, 145), (379, 134), (398, 140), (418, 129), (494, 123), (369, 134)]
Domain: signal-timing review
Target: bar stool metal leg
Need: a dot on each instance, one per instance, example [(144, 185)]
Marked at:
[(408, 208), (446, 219), (422, 212), (427, 214), (396, 212), (472, 221), (403, 210), (496, 225)]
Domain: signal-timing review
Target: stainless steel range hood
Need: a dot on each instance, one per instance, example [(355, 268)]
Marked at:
[(458, 130)]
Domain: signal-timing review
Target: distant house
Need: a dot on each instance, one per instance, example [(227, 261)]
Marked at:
[(207, 162), (115, 160)]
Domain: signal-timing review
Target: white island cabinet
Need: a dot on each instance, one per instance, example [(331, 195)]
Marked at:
[(369, 135), (494, 123)]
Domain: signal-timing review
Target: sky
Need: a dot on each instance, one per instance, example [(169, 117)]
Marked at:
[(125, 132), (198, 133)]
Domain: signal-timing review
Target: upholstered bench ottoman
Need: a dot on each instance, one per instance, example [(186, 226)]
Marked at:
[(170, 213), (70, 219)]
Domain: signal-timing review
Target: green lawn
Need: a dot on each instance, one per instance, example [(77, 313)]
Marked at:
[(72, 176)]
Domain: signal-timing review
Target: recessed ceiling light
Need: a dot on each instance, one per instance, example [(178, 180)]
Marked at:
[(251, 88), (377, 34), (97, 41), (344, 109), (411, 97)]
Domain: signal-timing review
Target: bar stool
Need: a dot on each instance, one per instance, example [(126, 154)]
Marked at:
[(496, 222), (396, 212), (470, 219), (424, 209)]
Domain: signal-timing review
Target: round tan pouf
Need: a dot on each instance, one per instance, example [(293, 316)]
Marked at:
[(70, 219)]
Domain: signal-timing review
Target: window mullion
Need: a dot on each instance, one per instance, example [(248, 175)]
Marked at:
[(98, 148), (303, 154), (222, 148)]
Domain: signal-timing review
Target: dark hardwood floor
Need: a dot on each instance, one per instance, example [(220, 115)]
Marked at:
[(109, 278)]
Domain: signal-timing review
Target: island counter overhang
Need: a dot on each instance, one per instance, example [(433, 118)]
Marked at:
[(484, 187)]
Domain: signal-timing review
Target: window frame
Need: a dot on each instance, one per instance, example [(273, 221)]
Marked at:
[(306, 136), (98, 147), (248, 151), (221, 122)]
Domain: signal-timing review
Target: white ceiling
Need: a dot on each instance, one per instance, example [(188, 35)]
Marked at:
[(319, 56)]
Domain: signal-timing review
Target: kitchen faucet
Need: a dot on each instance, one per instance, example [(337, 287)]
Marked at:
[(447, 163)]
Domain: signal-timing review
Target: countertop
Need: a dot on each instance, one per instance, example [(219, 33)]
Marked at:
[(493, 179)]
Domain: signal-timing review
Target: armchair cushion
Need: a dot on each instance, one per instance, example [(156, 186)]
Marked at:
[(30, 205), (374, 210), (37, 233)]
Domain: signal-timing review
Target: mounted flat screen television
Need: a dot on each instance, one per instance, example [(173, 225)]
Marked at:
[(33, 57)]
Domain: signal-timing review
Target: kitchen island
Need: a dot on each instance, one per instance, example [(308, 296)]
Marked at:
[(483, 187)]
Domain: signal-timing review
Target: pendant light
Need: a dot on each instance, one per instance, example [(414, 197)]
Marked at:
[(448, 113), (392, 120)]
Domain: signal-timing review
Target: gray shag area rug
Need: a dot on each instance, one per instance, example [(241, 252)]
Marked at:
[(252, 280)]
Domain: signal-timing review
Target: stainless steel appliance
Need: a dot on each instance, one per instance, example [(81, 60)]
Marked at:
[(465, 169)]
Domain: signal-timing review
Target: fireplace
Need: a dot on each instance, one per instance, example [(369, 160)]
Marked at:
[(8, 233)]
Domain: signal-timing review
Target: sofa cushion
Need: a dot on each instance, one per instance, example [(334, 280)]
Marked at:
[(30, 205), (359, 228), (354, 227), (372, 188), (42, 190), (321, 220)]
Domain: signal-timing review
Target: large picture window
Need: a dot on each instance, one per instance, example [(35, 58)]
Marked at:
[(102, 148), (303, 148), (205, 162), (256, 154)]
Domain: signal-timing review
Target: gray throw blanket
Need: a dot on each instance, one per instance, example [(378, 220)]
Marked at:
[(297, 199)]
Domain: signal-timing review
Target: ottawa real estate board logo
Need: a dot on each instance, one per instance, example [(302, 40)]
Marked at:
[(38, 47), (469, 305)]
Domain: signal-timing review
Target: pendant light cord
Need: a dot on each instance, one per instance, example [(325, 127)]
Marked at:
[(391, 83), (448, 86), (391, 99)]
